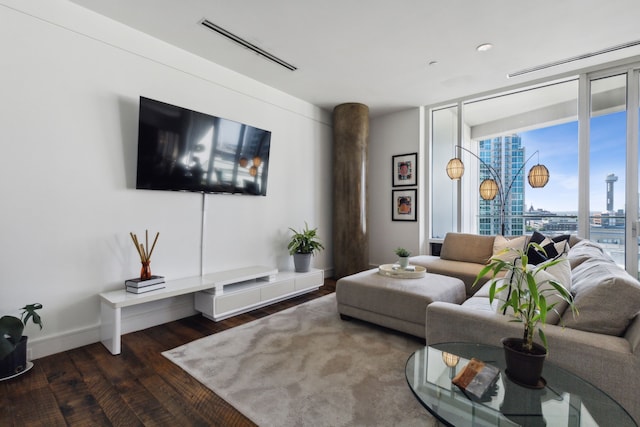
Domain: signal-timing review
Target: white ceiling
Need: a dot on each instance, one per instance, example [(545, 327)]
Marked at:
[(377, 52)]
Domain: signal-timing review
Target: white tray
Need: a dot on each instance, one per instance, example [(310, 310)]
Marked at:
[(393, 270)]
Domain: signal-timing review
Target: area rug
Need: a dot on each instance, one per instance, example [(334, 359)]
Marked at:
[(305, 366)]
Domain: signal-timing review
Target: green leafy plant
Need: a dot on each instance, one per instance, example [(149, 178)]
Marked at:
[(305, 241), (522, 293), (402, 252), (11, 327)]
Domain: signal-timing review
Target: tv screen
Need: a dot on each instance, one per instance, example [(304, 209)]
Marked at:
[(184, 150)]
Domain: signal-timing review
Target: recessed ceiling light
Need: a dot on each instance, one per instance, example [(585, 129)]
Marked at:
[(484, 47)]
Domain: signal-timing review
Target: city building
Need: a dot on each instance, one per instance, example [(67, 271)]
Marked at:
[(505, 154)]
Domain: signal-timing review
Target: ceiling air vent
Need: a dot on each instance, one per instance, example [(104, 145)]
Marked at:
[(210, 25), (574, 58)]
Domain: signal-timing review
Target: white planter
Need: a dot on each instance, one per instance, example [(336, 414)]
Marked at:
[(403, 261)]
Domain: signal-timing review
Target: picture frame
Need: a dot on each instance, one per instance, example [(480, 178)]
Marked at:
[(404, 170), (404, 205)]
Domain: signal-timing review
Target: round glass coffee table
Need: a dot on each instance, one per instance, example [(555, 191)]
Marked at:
[(565, 400)]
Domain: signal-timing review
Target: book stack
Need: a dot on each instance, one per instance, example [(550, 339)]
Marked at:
[(477, 379), (139, 286)]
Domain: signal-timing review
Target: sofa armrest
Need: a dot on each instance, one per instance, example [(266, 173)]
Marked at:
[(633, 334)]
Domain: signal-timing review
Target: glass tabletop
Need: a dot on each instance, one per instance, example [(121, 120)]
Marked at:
[(565, 400)]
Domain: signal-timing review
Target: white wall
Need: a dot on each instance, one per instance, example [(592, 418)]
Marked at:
[(70, 85), (390, 135)]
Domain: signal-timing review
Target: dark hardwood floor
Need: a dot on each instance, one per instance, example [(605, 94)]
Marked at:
[(88, 386)]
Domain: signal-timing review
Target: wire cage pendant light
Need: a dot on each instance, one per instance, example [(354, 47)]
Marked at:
[(455, 168), (538, 176), (488, 189), (494, 186)]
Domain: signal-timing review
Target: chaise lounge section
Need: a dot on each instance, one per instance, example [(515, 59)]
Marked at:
[(400, 304)]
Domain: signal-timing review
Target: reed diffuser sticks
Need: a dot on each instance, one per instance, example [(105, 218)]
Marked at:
[(143, 251)]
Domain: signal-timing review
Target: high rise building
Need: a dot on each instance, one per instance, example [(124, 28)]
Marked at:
[(506, 155)]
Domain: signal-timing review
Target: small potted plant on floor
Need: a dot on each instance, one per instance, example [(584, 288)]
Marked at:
[(302, 246), (525, 293), (403, 257), (13, 345)]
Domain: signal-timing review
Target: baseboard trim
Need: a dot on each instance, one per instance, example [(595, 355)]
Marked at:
[(148, 315)]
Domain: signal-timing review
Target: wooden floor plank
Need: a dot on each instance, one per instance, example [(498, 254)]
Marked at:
[(199, 398), (75, 400), (107, 397), (89, 386)]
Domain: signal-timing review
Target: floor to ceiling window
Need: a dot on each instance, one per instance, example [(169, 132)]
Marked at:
[(588, 192), (503, 137), (607, 164), (444, 135)]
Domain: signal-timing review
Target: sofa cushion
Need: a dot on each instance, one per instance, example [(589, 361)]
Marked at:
[(501, 243), (606, 296), (584, 250), (467, 248)]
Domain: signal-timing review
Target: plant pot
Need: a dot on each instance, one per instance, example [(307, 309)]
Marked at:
[(302, 262), (403, 261), (16, 361), (524, 368)]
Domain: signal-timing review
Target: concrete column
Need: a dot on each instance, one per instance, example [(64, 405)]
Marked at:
[(350, 164)]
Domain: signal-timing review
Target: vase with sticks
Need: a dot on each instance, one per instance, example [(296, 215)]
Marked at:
[(145, 253)]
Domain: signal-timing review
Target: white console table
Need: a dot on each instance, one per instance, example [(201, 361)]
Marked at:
[(226, 293), (231, 299)]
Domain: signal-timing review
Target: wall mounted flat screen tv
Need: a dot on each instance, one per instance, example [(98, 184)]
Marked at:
[(184, 150)]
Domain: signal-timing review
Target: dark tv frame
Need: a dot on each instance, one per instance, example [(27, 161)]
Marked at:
[(184, 150)]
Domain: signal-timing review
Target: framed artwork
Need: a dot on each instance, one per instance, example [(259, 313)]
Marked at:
[(404, 169), (404, 204)]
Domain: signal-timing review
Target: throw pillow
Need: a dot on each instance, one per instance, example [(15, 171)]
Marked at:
[(552, 247), (561, 238), (537, 237), (501, 244), (606, 297), (561, 273)]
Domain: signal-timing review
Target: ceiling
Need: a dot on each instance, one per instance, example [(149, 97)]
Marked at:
[(389, 55)]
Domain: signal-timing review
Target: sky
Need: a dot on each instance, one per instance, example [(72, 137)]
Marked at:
[(558, 151)]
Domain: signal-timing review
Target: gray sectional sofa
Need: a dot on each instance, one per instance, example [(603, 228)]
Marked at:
[(601, 345)]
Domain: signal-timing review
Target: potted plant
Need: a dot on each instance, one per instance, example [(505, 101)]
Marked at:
[(523, 294), (302, 246), (13, 345), (403, 257)]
